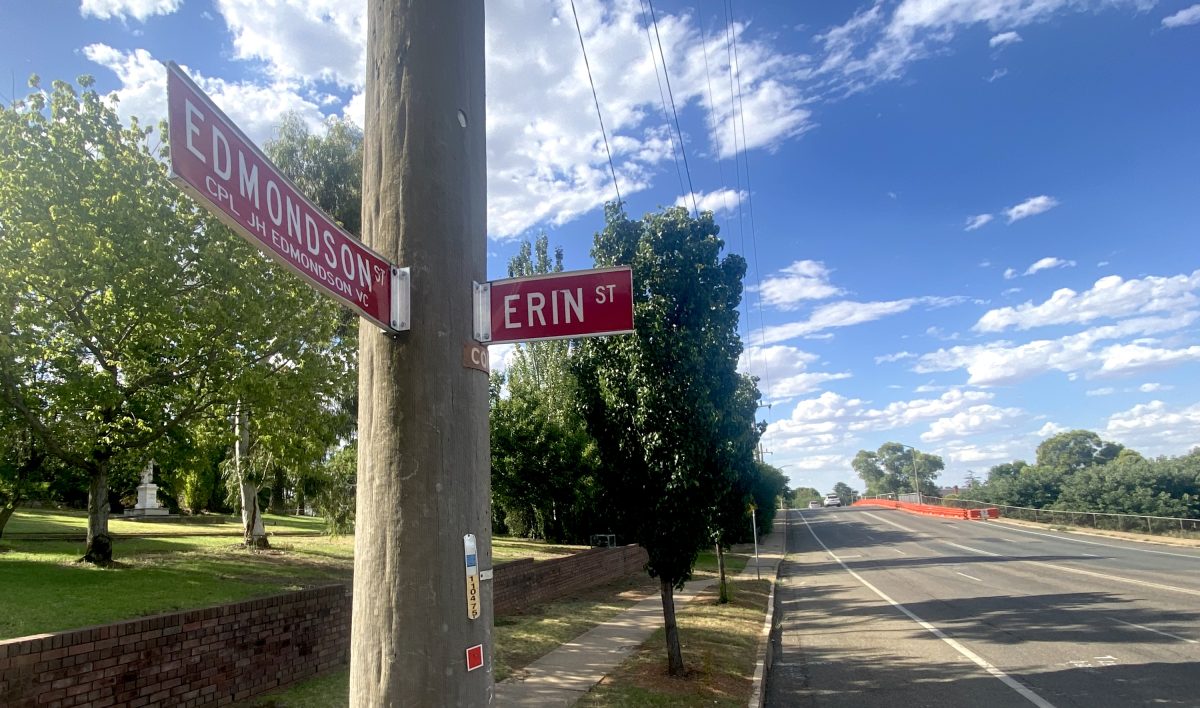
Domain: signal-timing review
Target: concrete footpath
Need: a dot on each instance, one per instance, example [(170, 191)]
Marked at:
[(563, 676)]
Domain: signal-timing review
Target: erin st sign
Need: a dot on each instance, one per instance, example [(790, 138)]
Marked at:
[(214, 162), (584, 303)]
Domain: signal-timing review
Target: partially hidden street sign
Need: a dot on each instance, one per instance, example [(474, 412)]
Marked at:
[(582, 303), (214, 162)]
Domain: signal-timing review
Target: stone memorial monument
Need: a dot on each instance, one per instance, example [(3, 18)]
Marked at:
[(147, 503)]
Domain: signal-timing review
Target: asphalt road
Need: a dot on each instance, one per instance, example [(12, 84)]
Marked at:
[(882, 608)]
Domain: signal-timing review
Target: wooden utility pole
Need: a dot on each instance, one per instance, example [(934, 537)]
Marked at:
[(423, 460)]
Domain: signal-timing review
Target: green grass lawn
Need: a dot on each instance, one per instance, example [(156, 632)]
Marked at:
[(43, 589), (57, 521)]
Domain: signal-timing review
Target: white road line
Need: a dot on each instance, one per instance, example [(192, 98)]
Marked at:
[(979, 661), (1089, 555), (1156, 631), (975, 550), (1081, 571), (1066, 537), (888, 521), (900, 551), (972, 577)]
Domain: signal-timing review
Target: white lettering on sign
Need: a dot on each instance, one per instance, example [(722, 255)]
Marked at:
[(566, 306)]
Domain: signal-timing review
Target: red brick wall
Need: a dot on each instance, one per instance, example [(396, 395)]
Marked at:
[(220, 655), (523, 583), (213, 656)]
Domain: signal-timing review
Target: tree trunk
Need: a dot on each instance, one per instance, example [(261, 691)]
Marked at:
[(674, 653), (253, 532), (277, 504), (723, 592), (6, 513), (99, 543)]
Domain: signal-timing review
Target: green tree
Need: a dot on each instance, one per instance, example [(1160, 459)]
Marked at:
[(1073, 450), (801, 496), (21, 463), (892, 468), (751, 482), (653, 400), (542, 456), (845, 492), (126, 312)]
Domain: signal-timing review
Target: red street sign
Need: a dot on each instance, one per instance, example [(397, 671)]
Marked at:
[(474, 657), (582, 303), (214, 162)]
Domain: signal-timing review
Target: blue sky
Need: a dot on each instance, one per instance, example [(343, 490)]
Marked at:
[(975, 222)]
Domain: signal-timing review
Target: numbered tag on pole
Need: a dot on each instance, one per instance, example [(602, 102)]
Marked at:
[(472, 565)]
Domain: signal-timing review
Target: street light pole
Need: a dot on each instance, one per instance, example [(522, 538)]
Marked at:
[(916, 479)]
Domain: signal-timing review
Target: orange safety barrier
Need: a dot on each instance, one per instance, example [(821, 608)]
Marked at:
[(931, 510)]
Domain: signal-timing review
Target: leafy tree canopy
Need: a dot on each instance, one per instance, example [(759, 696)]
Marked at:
[(892, 468)]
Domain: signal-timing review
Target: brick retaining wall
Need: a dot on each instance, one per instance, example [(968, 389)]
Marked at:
[(523, 583), (213, 656), (221, 655)]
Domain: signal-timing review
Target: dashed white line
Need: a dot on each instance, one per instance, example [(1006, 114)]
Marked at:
[(982, 663), (888, 521), (1081, 571), (972, 577), (1065, 537), (1156, 631)]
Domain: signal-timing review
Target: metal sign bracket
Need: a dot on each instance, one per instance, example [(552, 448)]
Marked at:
[(483, 311), (401, 299)]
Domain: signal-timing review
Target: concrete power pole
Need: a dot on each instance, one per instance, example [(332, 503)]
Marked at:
[(423, 460)]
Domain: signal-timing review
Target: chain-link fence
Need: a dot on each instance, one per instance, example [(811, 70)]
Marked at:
[(1134, 523)]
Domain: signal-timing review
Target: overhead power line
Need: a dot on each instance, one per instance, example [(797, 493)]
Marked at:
[(666, 75), (596, 100), (738, 114)]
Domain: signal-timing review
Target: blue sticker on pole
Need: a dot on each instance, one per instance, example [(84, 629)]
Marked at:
[(471, 555)]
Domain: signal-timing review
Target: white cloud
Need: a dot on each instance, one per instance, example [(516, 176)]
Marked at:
[(974, 222), (1030, 207), (1049, 429), (1047, 264), (1004, 38), (898, 356), (1155, 428), (140, 10), (721, 200), (975, 420), (817, 426), (1106, 391), (1004, 362), (255, 108), (802, 280), (1128, 358), (1010, 273), (1110, 297), (837, 314), (1186, 16), (847, 313), (546, 157), (1152, 387), (873, 46), (783, 371), (301, 40), (963, 453), (501, 356)]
